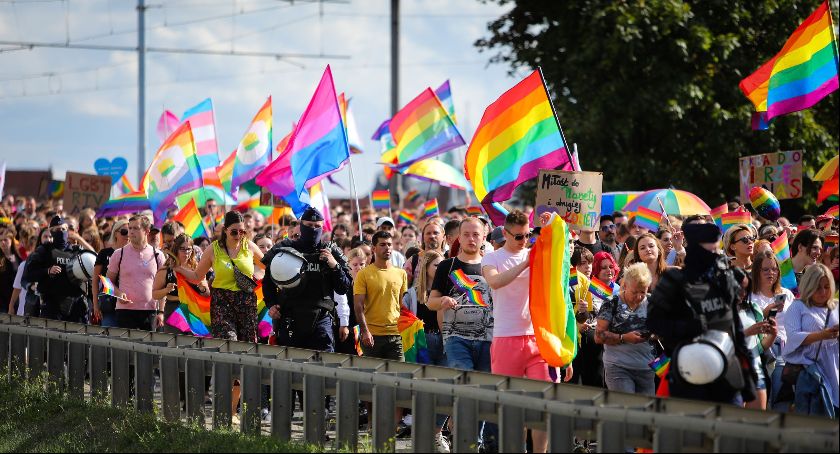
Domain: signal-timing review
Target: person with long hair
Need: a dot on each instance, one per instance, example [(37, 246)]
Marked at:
[(739, 244), (105, 306), (180, 253), (415, 300), (9, 262), (648, 250)]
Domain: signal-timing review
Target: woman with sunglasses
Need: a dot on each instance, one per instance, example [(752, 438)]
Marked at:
[(180, 253), (105, 306), (739, 243)]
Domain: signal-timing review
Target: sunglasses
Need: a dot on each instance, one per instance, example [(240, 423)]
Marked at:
[(186, 250), (519, 237), (746, 240), (237, 232), (123, 232), (608, 227), (771, 238)]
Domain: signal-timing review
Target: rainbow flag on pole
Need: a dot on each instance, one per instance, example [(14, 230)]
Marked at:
[(518, 135), (430, 208), (381, 199), (718, 212), (190, 217), (444, 93), (800, 75), (134, 202), (782, 252), (202, 120), (406, 217), (174, 170), (107, 286), (600, 289), (254, 151), (648, 219), (423, 129), (729, 220)]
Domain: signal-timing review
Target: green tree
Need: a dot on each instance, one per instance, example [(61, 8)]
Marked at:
[(648, 89)]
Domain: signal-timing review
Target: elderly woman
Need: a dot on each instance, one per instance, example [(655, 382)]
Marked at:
[(811, 350), (622, 328), (739, 243)]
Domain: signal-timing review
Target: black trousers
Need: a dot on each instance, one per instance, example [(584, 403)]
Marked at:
[(130, 319), (588, 364)]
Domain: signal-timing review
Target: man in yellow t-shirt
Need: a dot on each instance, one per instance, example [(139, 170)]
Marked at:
[(377, 292)]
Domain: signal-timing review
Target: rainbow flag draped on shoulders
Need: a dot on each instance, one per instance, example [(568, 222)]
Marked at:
[(552, 311), (174, 170), (413, 337), (800, 75), (518, 135), (193, 314)]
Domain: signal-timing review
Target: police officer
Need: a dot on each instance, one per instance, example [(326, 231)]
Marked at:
[(61, 299), (304, 315), (694, 301)]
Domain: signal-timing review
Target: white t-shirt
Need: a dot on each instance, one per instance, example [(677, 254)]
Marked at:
[(342, 307), (510, 303), (17, 284), (763, 301)]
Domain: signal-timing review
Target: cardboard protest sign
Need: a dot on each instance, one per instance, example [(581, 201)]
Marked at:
[(85, 191), (575, 196), (780, 173)]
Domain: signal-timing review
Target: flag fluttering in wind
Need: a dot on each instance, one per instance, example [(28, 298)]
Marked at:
[(423, 129), (167, 124), (190, 217), (202, 120), (781, 250), (354, 141), (444, 93), (174, 170), (254, 151), (413, 337)]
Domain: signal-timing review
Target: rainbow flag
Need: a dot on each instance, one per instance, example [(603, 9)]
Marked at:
[(437, 172), (193, 314), (660, 365), (381, 199), (573, 277), (354, 141), (318, 199), (718, 212), (600, 289), (386, 148), (518, 135), (225, 172), (317, 147), (830, 241), (357, 336), (174, 170), (134, 202), (552, 310), (444, 93), (202, 120), (462, 281), (406, 217), (473, 210), (423, 129), (122, 186), (781, 250), (265, 326), (412, 196), (107, 286), (729, 220), (800, 75), (56, 189), (254, 151), (833, 212), (648, 219), (430, 208), (190, 217), (413, 337), (616, 201)]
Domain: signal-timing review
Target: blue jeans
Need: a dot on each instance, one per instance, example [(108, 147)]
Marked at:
[(434, 344), (109, 319), (473, 355), (633, 381)]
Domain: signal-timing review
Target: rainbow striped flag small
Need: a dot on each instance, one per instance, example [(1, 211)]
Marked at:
[(381, 199), (660, 365), (191, 219), (782, 252), (573, 277), (729, 220), (412, 196), (474, 210), (430, 208), (357, 335), (830, 241), (462, 281), (600, 289), (648, 219), (718, 212), (406, 217), (107, 286)]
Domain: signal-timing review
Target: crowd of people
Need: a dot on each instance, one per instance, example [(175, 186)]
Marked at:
[(672, 291)]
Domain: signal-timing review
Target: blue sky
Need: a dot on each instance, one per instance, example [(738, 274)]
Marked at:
[(65, 108)]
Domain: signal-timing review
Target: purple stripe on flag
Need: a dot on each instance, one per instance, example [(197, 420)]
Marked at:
[(802, 102)]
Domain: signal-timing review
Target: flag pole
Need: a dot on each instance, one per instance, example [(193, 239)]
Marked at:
[(556, 118), (355, 194)]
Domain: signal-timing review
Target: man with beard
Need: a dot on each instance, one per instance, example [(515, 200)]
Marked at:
[(304, 315)]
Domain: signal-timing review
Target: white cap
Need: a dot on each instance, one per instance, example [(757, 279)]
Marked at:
[(383, 220)]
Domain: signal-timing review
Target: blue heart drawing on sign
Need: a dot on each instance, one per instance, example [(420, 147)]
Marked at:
[(114, 169)]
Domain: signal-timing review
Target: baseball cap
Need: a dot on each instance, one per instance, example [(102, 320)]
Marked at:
[(383, 220), (497, 236)]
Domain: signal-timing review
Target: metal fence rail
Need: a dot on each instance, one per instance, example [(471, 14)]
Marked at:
[(77, 354)]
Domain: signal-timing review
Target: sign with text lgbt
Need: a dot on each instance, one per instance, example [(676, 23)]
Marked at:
[(575, 196), (780, 173), (85, 191)]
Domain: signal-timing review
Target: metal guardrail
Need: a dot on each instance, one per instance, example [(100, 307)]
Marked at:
[(74, 353)]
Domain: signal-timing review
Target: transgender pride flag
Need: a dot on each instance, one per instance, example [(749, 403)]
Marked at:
[(203, 123)]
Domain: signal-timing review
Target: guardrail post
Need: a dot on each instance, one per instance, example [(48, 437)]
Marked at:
[(144, 382), (4, 352), (384, 426), (667, 440), (98, 372), (251, 393), (170, 388), (194, 376), (281, 405), (222, 390), (56, 350), (76, 369), (120, 377), (611, 436), (313, 409), (511, 429), (36, 356), (347, 416), (424, 427), (561, 433), (466, 425)]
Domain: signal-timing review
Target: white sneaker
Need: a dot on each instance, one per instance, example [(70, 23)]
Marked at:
[(441, 443)]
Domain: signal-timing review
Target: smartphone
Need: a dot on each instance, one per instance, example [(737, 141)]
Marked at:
[(772, 313), (779, 299)]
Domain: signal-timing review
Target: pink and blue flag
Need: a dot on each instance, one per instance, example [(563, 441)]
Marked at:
[(202, 119), (317, 147)]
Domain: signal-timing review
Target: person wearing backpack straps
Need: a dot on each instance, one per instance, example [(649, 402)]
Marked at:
[(132, 269)]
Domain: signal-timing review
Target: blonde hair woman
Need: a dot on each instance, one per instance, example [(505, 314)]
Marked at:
[(739, 242)]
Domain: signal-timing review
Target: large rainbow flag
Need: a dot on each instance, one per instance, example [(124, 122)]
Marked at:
[(800, 75), (254, 151), (130, 203), (423, 129), (174, 170), (518, 135), (190, 217), (193, 314), (413, 337), (552, 311), (444, 93)]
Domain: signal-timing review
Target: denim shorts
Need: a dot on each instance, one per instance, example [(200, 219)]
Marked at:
[(761, 383)]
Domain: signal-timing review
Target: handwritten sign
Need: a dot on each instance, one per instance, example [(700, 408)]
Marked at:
[(780, 173), (85, 191), (575, 196)]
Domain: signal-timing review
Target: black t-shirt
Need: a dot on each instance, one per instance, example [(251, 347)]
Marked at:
[(467, 320), (103, 258)]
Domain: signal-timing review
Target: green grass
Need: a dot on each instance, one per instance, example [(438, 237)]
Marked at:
[(33, 420)]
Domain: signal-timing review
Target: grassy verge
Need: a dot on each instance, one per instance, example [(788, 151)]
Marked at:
[(32, 420)]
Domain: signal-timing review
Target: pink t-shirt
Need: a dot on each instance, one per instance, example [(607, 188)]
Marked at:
[(511, 313), (136, 276)]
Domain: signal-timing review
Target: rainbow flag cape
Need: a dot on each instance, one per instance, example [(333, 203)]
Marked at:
[(202, 119), (354, 141), (254, 151), (430, 208), (413, 337), (800, 75), (423, 129), (552, 311), (600, 289), (381, 199), (357, 339), (718, 212), (125, 204), (191, 218), (729, 220), (648, 218), (317, 147), (174, 170), (518, 135), (781, 250), (444, 93), (406, 217), (193, 314), (462, 281)]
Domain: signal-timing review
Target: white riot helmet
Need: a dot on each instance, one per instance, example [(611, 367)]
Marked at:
[(286, 268), (80, 269), (707, 358)]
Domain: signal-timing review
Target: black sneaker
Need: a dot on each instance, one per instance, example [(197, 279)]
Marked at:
[(403, 430)]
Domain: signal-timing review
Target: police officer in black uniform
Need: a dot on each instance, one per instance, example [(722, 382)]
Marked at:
[(689, 302), (61, 299), (304, 316)]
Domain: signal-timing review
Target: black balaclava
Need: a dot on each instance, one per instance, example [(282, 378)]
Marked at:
[(310, 238), (59, 238), (698, 259)]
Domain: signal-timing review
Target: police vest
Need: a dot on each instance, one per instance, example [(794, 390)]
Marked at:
[(61, 285)]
